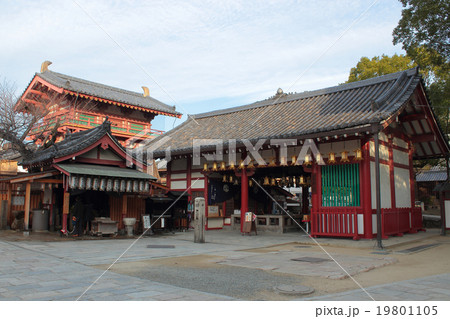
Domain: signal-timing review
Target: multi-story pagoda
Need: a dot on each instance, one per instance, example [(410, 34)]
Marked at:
[(75, 105)]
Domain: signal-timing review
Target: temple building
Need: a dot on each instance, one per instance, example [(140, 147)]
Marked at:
[(350, 148), (89, 164), (75, 104)]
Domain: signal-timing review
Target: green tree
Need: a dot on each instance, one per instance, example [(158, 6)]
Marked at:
[(368, 68), (425, 23)]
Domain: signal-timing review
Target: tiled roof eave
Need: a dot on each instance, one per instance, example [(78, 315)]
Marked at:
[(136, 107), (359, 126)]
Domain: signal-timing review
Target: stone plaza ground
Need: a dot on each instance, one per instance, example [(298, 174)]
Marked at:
[(227, 267)]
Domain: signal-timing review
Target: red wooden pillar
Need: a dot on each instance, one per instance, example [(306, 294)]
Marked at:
[(365, 189), (66, 200), (244, 196), (169, 173), (411, 176), (314, 188), (189, 178), (206, 200)]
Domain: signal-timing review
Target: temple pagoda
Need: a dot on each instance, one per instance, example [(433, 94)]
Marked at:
[(75, 104)]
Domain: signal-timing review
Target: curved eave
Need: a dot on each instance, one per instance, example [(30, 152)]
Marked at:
[(129, 106)]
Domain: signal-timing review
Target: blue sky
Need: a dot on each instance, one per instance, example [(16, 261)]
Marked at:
[(197, 55)]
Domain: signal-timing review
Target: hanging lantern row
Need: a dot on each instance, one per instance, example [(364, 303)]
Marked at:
[(283, 161), (290, 181), (344, 156)]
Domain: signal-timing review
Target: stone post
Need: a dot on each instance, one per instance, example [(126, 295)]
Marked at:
[(199, 220)]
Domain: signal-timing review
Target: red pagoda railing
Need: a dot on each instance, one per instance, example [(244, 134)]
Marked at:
[(335, 222), (82, 121)]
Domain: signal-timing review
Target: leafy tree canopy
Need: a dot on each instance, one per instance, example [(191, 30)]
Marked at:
[(425, 23), (368, 68)]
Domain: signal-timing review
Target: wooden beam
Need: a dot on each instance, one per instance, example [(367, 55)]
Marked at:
[(27, 205), (50, 181), (413, 117), (423, 138), (32, 102), (32, 177)]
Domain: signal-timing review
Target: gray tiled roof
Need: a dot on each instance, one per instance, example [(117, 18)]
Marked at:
[(436, 174), (102, 170), (299, 114), (104, 91), (71, 144)]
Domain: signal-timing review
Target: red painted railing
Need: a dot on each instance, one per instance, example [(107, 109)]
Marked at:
[(335, 222), (87, 120), (416, 219), (397, 221)]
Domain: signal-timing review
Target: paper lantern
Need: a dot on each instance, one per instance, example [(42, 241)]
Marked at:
[(331, 158), (205, 167), (214, 168), (266, 181), (358, 155), (223, 166), (308, 160), (344, 156), (294, 160)]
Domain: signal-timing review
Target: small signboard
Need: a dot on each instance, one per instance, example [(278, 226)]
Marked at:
[(249, 223), (146, 221)]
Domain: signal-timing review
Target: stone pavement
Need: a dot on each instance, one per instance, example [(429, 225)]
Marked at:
[(32, 275), (63, 270), (429, 288)]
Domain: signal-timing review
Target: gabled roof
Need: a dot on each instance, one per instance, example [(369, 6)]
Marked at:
[(77, 85), (72, 144), (301, 114)]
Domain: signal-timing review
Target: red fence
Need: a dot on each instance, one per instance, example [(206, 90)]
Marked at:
[(343, 221), (397, 221), (335, 222)]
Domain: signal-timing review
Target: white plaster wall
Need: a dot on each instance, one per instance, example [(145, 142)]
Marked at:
[(197, 183), (385, 186), (178, 176), (401, 157), (91, 154), (338, 147), (402, 187), (196, 175), (399, 142), (178, 184), (360, 224), (384, 151), (109, 155)]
